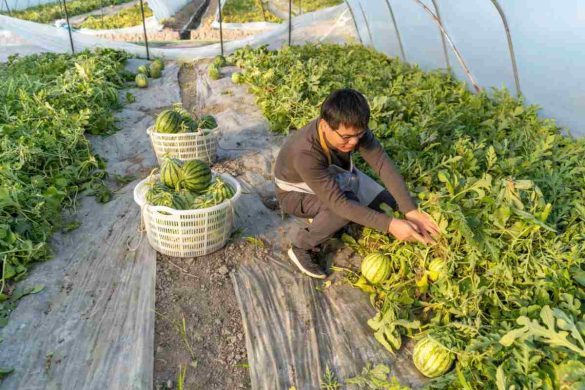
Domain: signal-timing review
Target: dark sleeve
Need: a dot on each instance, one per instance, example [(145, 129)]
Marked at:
[(313, 170), (375, 155)]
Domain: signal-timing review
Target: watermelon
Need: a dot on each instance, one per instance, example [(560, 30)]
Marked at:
[(431, 358), (237, 78), (168, 121), (437, 269), (188, 124), (376, 268), (141, 80), (219, 61), (171, 172), (143, 69), (158, 62), (213, 72), (155, 72), (207, 122), (220, 191), (204, 201), (183, 200), (159, 195), (196, 175)]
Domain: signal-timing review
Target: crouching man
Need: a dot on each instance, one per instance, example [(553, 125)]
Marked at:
[(315, 178)]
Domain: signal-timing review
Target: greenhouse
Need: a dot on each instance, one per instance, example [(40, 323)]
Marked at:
[(295, 195)]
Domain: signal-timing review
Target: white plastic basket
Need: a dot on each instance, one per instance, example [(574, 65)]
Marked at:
[(187, 233), (185, 146)]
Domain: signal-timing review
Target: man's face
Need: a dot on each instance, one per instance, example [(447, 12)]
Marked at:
[(344, 138)]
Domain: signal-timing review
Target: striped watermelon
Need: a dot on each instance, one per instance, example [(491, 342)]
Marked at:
[(431, 358), (220, 191), (207, 122), (437, 269), (144, 69), (171, 172), (155, 72), (376, 268), (159, 195), (168, 121), (183, 200), (141, 80), (219, 61), (188, 124), (214, 72), (158, 62), (196, 175)]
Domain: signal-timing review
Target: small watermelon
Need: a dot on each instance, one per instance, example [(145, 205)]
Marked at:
[(219, 61), (203, 201), (207, 122), (376, 268), (213, 72), (220, 191), (183, 200), (437, 269), (171, 172), (237, 78), (188, 124), (159, 195), (155, 72), (158, 62), (168, 121), (141, 80), (196, 175), (144, 69), (431, 358)]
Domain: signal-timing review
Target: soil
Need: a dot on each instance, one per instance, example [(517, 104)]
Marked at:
[(212, 348)]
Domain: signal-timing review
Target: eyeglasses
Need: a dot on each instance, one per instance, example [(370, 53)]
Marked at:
[(347, 138)]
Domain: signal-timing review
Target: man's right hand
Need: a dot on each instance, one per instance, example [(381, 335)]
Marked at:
[(407, 231)]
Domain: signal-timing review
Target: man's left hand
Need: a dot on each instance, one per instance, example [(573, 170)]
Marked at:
[(427, 227)]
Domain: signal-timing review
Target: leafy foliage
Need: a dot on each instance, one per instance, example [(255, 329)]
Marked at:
[(506, 187), (244, 11), (46, 13), (128, 17), (314, 5), (48, 103)]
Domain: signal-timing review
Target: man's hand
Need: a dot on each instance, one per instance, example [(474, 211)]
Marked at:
[(406, 231), (425, 224)]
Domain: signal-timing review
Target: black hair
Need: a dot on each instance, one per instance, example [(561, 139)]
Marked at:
[(348, 107)]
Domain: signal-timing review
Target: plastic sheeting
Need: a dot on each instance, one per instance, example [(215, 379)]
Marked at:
[(15, 5), (313, 27), (295, 329), (546, 39), (164, 9), (151, 25), (250, 26)]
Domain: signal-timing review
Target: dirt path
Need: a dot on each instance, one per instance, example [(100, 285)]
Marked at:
[(211, 347)]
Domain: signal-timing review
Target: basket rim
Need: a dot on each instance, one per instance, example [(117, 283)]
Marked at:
[(139, 192), (212, 132)]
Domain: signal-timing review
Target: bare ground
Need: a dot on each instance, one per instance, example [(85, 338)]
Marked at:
[(212, 345)]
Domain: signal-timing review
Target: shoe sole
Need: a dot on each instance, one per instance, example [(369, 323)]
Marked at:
[(292, 256)]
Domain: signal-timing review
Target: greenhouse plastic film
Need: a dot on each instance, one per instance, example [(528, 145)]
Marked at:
[(310, 27)]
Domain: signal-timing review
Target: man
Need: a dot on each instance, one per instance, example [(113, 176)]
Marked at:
[(315, 178)]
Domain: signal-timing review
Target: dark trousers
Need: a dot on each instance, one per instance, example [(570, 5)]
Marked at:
[(325, 221)]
